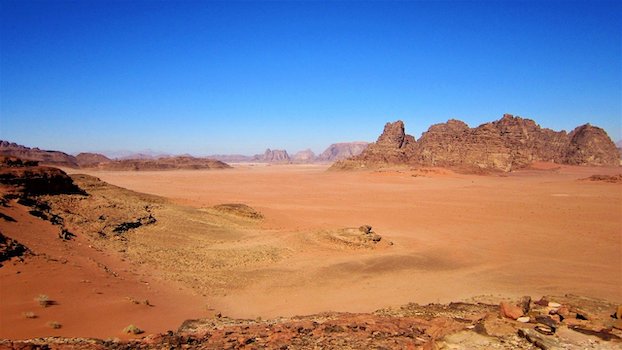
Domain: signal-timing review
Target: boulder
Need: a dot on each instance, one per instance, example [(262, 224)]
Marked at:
[(510, 311)]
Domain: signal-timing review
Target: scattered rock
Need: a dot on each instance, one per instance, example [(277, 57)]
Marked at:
[(366, 229), (10, 248), (525, 304), (510, 311), (524, 319)]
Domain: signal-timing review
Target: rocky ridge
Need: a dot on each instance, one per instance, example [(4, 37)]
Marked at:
[(503, 145), (164, 163), (87, 159), (11, 149)]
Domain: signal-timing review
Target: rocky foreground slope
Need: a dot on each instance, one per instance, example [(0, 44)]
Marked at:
[(503, 145), (565, 322)]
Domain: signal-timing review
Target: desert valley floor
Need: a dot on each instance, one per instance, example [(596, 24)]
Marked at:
[(445, 237)]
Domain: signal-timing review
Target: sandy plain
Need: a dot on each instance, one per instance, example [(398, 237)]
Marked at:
[(445, 237), (455, 236)]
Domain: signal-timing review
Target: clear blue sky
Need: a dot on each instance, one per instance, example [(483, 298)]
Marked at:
[(237, 77)]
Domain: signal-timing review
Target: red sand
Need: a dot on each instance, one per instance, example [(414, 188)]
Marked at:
[(455, 236), (88, 300)]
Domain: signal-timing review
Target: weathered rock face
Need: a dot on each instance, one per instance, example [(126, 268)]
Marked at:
[(91, 159), (393, 146), (502, 145), (273, 156), (591, 145), (306, 156), (11, 149), (343, 150)]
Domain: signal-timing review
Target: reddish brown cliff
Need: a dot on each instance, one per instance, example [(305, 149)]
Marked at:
[(506, 144)]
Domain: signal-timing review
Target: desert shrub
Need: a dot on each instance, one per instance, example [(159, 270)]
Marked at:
[(29, 314), (43, 300), (54, 325), (132, 330)]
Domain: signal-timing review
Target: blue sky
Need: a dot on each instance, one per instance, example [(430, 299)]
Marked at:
[(210, 77)]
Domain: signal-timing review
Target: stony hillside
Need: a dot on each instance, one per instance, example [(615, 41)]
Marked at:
[(11, 149), (566, 322), (503, 145)]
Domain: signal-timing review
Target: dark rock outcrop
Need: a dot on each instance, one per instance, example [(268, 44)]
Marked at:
[(25, 178), (10, 248), (503, 145), (56, 158)]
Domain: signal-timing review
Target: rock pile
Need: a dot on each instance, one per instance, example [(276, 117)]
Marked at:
[(503, 145)]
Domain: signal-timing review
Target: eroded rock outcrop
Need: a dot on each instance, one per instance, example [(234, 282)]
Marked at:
[(273, 156), (25, 178), (503, 145), (57, 158)]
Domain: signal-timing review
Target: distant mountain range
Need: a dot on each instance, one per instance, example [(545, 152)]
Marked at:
[(150, 160)]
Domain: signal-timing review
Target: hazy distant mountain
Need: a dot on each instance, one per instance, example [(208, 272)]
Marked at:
[(231, 158), (125, 154), (306, 156), (87, 159), (273, 156), (163, 163), (343, 150), (42, 156)]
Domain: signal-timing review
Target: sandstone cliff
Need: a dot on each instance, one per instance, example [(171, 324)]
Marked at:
[(503, 145)]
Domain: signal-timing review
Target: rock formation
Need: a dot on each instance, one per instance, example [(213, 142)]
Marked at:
[(165, 163), (91, 159), (24, 178), (503, 145), (340, 151), (306, 156), (273, 156), (57, 158)]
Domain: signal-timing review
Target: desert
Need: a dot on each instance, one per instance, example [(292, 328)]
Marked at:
[(269, 242), (430, 175)]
